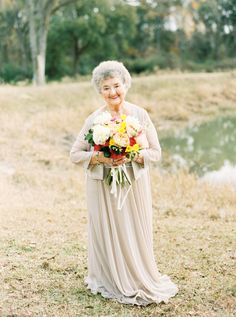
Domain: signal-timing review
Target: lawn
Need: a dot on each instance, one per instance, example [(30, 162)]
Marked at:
[(43, 217)]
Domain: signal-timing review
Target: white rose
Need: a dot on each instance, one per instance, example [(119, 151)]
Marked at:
[(100, 134), (133, 126), (103, 118)]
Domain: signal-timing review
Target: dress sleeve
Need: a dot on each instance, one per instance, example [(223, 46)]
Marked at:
[(81, 150), (153, 153)]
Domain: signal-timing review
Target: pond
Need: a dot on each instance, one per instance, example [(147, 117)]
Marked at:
[(204, 148)]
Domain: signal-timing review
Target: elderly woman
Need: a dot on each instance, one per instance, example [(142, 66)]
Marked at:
[(121, 262)]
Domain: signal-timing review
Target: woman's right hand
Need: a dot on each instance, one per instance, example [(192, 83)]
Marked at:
[(99, 158), (104, 160)]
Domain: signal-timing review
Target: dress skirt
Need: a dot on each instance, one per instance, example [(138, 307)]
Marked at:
[(121, 263)]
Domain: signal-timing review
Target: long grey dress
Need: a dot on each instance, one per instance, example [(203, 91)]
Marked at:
[(121, 263)]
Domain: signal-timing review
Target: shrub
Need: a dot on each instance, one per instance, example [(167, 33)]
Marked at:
[(11, 73)]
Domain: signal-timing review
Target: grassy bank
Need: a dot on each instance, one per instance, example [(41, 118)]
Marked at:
[(43, 218)]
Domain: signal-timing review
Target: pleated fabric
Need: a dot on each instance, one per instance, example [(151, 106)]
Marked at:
[(121, 263)]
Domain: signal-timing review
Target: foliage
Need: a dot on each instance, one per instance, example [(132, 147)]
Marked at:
[(75, 35), (146, 36), (12, 73)]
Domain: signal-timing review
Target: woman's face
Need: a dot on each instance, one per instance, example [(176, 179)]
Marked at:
[(113, 91)]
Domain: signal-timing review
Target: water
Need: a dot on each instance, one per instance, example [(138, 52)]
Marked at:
[(204, 148), (226, 174)]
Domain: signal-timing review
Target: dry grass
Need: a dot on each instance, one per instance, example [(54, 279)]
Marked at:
[(43, 249)]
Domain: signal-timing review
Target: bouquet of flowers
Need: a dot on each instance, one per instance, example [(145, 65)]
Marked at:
[(117, 137)]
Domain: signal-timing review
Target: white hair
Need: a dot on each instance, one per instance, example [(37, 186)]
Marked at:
[(110, 69)]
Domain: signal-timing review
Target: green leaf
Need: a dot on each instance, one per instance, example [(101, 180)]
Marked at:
[(89, 137), (106, 151)]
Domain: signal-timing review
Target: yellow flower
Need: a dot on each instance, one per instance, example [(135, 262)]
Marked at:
[(135, 147), (128, 149), (121, 130), (123, 116), (111, 142), (123, 124), (122, 127)]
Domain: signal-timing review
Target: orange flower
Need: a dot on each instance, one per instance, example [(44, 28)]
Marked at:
[(121, 139)]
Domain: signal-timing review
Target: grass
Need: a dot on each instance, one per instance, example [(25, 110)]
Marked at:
[(43, 218)]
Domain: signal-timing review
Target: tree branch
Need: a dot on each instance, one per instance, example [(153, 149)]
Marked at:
[(83, 48), (49, 7), (62, 4)]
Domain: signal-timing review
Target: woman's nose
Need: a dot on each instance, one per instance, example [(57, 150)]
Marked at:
[(112, 91)]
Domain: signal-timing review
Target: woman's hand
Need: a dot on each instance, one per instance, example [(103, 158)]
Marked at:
[(114, 162), (139, 159), (120, 161), (99, 158)]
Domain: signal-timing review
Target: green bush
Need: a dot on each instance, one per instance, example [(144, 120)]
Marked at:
[(11, 73), (226, 64), (209, 65), (149, 64), (140, 65)]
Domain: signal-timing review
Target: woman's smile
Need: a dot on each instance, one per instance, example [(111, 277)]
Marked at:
[(115, 97)]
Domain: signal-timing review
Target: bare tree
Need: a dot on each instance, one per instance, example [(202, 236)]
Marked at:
[(39, 13)]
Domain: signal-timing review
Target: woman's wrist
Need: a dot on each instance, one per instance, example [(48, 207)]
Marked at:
[(139, 158), (95, 158)]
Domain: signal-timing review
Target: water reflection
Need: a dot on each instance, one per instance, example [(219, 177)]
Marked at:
[(226, 174), (203, 148)]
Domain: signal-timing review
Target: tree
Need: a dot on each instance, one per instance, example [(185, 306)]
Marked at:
[(218, 35), (83, 34), (39, 13), (14, 48), (75, 35)]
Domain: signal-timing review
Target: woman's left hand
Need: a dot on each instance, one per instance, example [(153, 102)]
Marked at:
[(120, 161), (139, 159)]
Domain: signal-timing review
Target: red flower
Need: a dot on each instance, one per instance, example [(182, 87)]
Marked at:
[(116, 156), (107, 143), (97, 147), (132, 141)]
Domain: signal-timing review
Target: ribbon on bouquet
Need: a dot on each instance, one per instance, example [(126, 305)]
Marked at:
[(116, 185)]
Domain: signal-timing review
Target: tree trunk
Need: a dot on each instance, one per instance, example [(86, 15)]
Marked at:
[(39, 12), (78, 51), (39, 15), (42, 47), (76, 57)]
